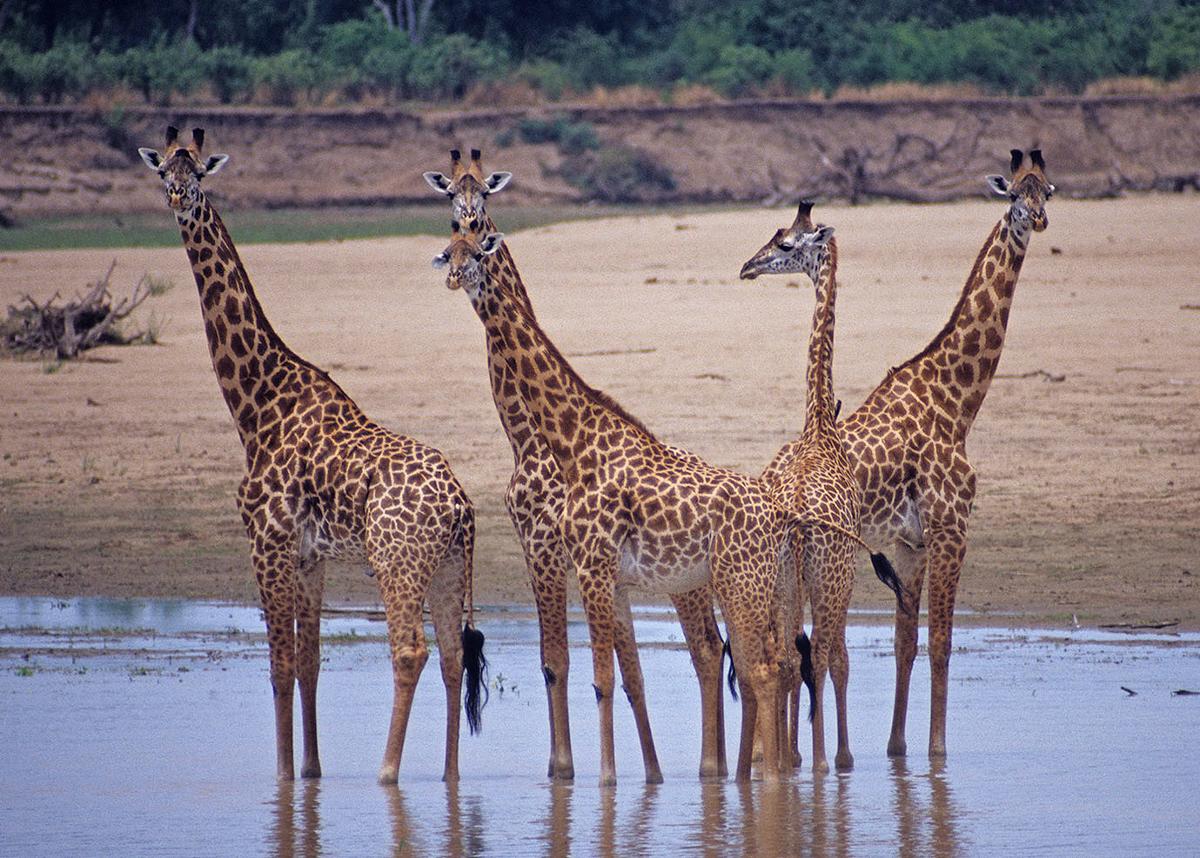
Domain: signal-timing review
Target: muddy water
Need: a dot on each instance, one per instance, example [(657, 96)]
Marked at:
[(145, 728)]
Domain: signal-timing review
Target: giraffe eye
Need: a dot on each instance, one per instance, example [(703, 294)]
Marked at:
[(786, 245)]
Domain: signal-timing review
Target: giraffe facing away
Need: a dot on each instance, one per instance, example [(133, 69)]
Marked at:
[(639, 513), (535, 497), (907, 442), (324, 481), (813, 474)]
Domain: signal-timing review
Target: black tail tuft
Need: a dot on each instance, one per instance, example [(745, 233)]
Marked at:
[(885, 573), (804, 645), (475, 667), (731, 678)]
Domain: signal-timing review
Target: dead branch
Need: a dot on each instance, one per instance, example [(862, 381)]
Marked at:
[(90, 320)]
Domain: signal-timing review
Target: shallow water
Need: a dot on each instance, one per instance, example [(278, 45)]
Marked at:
[(146, 727)]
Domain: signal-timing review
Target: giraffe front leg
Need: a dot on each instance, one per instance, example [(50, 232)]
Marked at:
[(548, 570), (275, 572), (633, 682), (309, 593), (695, 610), (946, 551), (910, 567)]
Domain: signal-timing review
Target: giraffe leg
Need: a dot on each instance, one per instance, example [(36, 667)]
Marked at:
[(275, 572), (749, 733), (403, 584), (634, 684), (946, 551), (839, 657), (445, 599), (910, 567), (707, 651), (820, 659), (596, 578), (310, 587), (548, 568), (743, 592), (793, 709)]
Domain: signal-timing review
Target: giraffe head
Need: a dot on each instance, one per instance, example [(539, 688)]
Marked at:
[(1027, 191), (467, 188), (182, 167), (800, 247), (464, 258)]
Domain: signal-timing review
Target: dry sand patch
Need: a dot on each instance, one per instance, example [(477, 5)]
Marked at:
[(1089, 487)]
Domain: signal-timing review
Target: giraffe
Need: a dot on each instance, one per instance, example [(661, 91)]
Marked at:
[(813, 473), (907, 442), (638, 513), (323, 480), (535, 498)]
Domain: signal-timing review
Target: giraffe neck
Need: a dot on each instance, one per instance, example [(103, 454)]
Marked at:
[(568, 414), (502, 270), (819, 403), (247, 355), (962, 358)]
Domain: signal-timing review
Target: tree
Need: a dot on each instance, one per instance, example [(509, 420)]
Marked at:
[(405, 16)]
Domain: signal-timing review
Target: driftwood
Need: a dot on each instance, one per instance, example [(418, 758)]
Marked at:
[(90, 320)]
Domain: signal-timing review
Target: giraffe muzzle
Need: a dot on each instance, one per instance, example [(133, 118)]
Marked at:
[(749, 271)]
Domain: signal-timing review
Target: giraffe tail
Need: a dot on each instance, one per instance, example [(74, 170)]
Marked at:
[(474, 663), (887, 574), (730, 677), (807, 674)]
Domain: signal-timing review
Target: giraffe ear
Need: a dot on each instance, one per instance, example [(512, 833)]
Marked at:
[(151, 157), (438, 182), (822, 235), (998, 184), (441, 260), (214, 163), (497, 182), (491, 242)]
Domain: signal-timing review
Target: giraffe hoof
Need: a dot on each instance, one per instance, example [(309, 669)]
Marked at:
[(897, 748), (564, 772), (389, 776), (654, 777), (844, 762), (311, 771)]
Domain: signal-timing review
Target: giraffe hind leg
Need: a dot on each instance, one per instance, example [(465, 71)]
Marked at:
[(445, 599), (310, 588)]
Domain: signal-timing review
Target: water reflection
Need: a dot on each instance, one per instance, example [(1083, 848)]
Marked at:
[(925, 825), (296, 826), (557, 834)]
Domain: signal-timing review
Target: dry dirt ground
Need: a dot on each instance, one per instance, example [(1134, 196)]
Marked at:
[(118, 473)]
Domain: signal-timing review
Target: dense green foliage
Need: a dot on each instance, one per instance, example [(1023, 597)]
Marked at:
[(290, 51)]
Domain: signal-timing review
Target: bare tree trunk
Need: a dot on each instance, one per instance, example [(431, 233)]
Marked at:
[(410, 20), (190, 29), (423, 21)]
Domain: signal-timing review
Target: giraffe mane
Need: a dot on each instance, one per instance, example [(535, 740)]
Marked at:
[(598, 397), (954, 314)]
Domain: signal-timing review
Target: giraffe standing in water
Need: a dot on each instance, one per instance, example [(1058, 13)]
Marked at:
[(323, 481), (535, 498), (813, 474), (907, 442), (639, 513)]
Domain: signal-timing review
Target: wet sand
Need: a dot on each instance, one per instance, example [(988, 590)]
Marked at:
[(117, 475), (152, 734)]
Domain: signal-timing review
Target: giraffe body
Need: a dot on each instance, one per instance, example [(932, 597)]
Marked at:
[(907, 442), (813, 474), (535, 499), (637, 512), (324, 481)]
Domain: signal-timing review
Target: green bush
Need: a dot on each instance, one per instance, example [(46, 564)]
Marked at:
[(619, 174), (159, 70), (20, 73), (447, 67), (291, 76), (796, 69), (1174, 48), (230, 72), (546, 76), (573, 138), (738, 68)]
